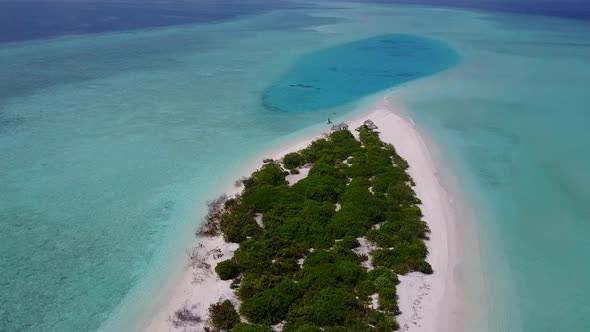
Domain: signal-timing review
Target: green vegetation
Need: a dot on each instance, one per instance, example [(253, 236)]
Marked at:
[(227, 270), (223, 316), (301, 267), (241, 327), (293, 160)]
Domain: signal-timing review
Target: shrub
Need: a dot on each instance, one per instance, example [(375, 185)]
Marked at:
[(387, 300), (238, 223), (261, 198), (254, 283), (308, 328), (330, 307), (424, 267), (383, 272), (382, 181), (271, 305), (383, 322), (323, 168), (318, 149), (304, 223), (344, 144), (327, 268), (271, 174), (403, 258), (241, 327), (382, 239), (256, 255), (349, 242), (384, 281), (227, 269), (223, 316), (350, 220), (402, 194), (293, 160), (365, 288), (320, 188)]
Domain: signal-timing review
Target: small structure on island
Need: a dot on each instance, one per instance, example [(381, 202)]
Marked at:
[(340, 126), (370, 125)]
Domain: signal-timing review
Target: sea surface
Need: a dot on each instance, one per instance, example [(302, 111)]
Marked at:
[(114, 139), (38, 19)]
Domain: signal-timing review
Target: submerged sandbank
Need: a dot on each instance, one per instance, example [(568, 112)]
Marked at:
[(426, 301)]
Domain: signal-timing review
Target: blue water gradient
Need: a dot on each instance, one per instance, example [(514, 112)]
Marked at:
[(113, 143), (576, 9), (36, 19), (342, 74)]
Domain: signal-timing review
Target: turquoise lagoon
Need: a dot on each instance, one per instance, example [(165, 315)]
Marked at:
[(342, 74), (113, 143)]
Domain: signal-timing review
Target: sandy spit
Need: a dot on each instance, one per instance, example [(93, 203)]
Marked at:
[(423, 299)]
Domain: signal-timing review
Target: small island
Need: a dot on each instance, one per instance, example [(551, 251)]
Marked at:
[(321, 238)]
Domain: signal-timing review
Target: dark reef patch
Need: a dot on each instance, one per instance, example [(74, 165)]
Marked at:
[(344, 73)]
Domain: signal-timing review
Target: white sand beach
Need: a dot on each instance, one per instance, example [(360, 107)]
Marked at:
[(423, 299)]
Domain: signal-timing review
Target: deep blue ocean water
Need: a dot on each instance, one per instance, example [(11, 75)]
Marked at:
[(577, 9), (34, 19), (343, 74)]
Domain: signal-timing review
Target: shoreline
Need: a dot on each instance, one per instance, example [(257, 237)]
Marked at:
[(420, 296), (181, 289)]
